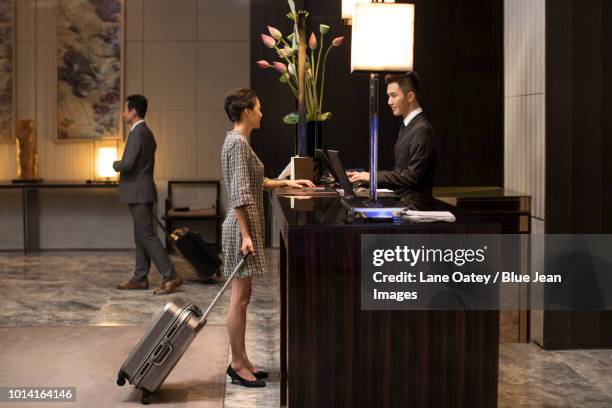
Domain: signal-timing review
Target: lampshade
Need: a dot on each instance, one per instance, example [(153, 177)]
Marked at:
[(383, 37), (348, 8), (105, 158)]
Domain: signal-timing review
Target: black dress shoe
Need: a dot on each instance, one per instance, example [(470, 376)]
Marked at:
[(244, 382), (260, 374)]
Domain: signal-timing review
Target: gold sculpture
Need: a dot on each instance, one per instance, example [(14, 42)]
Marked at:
[(27, 155)]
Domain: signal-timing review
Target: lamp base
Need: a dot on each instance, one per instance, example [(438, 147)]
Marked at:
[(372, 204), (374, 80)]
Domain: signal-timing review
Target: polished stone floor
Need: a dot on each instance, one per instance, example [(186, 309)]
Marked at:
[(77, 288), (87, 358)]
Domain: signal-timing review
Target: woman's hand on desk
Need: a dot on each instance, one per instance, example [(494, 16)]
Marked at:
[(272, 184), (247, 246), (298, 183)]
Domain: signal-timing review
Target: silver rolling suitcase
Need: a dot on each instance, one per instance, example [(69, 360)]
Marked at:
[(165, 342)]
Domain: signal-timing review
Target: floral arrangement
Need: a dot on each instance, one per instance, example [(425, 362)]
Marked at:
[(287, 50)]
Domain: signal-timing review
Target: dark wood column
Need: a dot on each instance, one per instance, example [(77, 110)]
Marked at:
[(578, 143)]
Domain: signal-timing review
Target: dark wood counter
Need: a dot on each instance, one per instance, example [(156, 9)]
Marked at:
[(512, 210), (58, 184), (333, 354)]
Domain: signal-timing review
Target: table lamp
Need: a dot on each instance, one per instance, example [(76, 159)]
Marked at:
[(106, 154), (382, 42)]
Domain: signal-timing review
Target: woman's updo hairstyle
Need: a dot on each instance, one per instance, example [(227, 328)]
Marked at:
[(238, 100)]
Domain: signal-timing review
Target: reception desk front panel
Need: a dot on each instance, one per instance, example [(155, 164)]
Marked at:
[(333, 354)]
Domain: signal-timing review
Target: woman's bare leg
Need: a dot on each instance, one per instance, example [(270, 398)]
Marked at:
[(236, 326)]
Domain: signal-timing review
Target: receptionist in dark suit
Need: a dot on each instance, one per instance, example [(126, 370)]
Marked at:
[(415, 150)]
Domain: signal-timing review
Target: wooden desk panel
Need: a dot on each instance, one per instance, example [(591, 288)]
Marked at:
[(333, 354), (512, 211)]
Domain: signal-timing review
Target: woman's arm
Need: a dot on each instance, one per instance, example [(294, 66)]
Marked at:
[(247, 242), (270, 184)]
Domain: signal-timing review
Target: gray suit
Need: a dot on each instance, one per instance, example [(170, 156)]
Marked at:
[(137, 189)]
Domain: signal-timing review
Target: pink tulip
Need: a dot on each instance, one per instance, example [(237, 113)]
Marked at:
[(268, 41), (338, 41), (312, 42), (263, 64), (280, 67), (275, 33)]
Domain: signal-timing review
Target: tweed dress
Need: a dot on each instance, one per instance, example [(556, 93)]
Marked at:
[(243, 174)]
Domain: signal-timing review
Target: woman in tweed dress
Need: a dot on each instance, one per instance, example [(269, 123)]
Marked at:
[(243, 228)]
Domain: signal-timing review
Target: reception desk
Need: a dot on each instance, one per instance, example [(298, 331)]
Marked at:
[(334, 354)]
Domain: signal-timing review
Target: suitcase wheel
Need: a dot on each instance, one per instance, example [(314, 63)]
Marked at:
[(121, 379), (146, 397)]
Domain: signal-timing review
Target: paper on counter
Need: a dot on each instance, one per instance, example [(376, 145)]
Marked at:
[(426, 216)]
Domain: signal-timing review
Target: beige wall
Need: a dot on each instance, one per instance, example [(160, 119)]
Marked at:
[(525, 89), (525, 114), (183, 55)]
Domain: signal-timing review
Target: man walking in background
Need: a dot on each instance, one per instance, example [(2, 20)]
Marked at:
[(137, 189)]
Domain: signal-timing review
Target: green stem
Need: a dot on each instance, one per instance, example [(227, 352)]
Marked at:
[(307, 91), (313, 99), (292, 89), (313, 83), (323, 78), (286, 43), (308, 96), (313, 67), (319, 60)]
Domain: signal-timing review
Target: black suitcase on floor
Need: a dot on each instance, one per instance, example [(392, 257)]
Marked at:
[(190, 245), (203, 260), (165, 342)]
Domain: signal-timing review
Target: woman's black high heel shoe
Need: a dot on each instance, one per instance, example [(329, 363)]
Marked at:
[(260, 374), (241, 381)]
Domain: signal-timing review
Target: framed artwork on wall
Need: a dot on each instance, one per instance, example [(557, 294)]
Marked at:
[(90, 52), (7, 70)]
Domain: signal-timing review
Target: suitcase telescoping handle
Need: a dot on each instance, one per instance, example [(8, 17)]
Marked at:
[(202, 321)]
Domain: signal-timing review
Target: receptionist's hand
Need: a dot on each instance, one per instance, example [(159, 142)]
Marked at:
[(298, 183), (358, 176)]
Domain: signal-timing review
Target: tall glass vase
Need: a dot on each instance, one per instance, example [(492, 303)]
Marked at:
[(316, 136), (316, 140)]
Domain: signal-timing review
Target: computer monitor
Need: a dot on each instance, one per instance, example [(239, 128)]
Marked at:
[(320, 154), (339, 173)]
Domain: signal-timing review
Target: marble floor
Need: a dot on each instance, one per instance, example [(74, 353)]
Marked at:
[(78, 288), (87, 357)]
